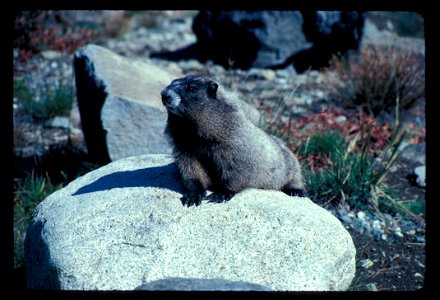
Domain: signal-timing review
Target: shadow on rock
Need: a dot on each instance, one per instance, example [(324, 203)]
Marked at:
[(163, 177)]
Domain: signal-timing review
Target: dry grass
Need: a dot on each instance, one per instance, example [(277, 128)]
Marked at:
[(379, 80)]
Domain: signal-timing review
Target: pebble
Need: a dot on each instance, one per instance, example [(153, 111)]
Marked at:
[(361, 215), (303, 99), (421, 239), (380, 226), (420, 264), (59, 122), (341, 119), (191, 64), (282, 73), (319, 94), (371, 287), (366, 263), (298, 110), (75, 131), (420, 172), (265, 74), (50, 54), (346, 218), (397, 231)]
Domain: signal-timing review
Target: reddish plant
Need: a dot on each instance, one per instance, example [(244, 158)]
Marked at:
[(347, 123), (40, 30)]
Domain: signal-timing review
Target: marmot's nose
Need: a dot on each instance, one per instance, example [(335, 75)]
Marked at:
[(165, 98)]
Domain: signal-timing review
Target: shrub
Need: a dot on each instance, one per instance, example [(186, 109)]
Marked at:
[(28, 193), (36, 31), (57, 103), (22, 91), (379, 79), (54, 169), (349, 124), (409, 24), (346, 158), (339, 173)]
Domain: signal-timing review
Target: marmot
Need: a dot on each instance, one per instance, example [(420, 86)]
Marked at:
[(216, 146)]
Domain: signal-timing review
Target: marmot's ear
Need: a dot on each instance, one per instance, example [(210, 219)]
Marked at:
[(212, 89)]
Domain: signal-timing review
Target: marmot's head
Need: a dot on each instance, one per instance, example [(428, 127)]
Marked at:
[(190, 93)]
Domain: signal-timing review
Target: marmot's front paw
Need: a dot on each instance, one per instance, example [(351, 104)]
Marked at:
[(192, 199), (220, 197)]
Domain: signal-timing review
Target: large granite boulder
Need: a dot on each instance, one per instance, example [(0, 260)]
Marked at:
[(272, 39), (123, 226)]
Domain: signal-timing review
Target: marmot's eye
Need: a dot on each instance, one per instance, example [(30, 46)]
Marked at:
[(190, 88)]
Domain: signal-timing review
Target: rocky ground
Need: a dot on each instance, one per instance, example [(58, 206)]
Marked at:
[(390, 249)]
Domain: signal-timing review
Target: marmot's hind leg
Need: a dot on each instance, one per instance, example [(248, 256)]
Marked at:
[(294, 188), (295, 192)]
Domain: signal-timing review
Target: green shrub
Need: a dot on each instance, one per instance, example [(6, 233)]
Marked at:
[(327, 143), (56, 103), (22, 91), (409, 24), (28, 194), (340, 171)]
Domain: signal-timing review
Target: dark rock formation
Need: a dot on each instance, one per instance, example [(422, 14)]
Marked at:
[(330, 33), (271, 39)]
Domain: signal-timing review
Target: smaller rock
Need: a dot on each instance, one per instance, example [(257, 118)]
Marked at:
[(346, 219), (398, 232), (341, 119), (303, 99), (420, 172), (282, 73), (59, 122), (418, 275), (371, 287), (366, 263), (361, 215), (298, 110), (50, 54), (265, 74), (414, 152), (376, 228), (421, 239), (191, 64), (319, 94), (75, 131)]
